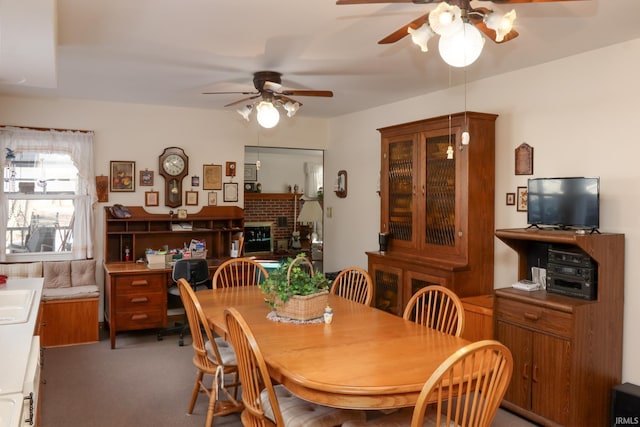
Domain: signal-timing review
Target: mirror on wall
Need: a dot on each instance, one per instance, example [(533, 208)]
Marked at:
[(282, 170)]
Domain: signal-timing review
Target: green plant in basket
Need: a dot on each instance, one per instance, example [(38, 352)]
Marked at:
[(292, 278)]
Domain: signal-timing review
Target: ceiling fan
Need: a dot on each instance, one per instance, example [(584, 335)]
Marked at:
[(268, 95), (461, 47)]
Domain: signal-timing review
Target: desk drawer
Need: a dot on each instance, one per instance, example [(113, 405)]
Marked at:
[(534, 317), (140, 301), (141, 283), (141, 319)]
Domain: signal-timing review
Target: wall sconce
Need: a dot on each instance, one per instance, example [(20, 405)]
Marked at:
[(341, 184)]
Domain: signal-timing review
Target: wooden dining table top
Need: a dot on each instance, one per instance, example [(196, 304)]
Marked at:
[(364, 359)]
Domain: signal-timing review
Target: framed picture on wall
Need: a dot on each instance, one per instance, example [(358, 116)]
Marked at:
[(123, 176), (191, 198), (230, 192), (212, 198), (522, 199), (212, 177), (250, 172), (146, 178), (151, 198)]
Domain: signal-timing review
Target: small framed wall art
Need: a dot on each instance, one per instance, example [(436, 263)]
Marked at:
[(146, 178), (511, 199), (191, 198), (230, 192), (230, 169), (212, 177), (212, 198), (524, 159), (123, 176), (522, 198), (151, 198), (250, 172)]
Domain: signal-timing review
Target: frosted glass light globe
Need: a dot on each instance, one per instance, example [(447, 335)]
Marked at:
[(463, 47), (268, 116)]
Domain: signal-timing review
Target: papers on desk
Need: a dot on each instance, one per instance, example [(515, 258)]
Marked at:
[(182, 226), (526, 285)]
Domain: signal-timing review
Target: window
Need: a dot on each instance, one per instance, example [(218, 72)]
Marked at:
[(47, 195), (40, 188)]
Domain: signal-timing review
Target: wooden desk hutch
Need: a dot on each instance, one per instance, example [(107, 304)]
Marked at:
[(136, 296), (438, 210), (567, 351)]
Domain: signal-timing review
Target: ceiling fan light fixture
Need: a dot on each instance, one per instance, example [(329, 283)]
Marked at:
[(501, 24), (291, 108), (463, 47), (267, 115), (245, 111), (421, 36), (445, 19)]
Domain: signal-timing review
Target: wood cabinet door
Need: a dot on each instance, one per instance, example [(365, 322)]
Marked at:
[(414, 281), (520, 342), (550, 377), (387, 288)]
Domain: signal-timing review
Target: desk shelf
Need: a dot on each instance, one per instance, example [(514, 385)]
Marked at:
[(215, 224)]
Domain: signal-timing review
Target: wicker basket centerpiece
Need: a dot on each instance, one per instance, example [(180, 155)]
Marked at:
[(295, 291)]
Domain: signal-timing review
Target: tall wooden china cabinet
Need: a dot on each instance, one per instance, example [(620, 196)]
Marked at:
[(135, 295), (437, 203)]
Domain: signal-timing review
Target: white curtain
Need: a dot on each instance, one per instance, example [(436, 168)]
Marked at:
[(313, 179), (79, 146)]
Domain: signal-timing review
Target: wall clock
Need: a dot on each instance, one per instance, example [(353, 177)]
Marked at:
[(173, 166), (230, 169)]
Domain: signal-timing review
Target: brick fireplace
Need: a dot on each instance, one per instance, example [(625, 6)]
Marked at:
[(276, 208)]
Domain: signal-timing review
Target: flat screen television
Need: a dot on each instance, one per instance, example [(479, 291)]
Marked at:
[(564, 202)]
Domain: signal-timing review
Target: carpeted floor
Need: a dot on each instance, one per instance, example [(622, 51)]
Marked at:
[(143, 382)]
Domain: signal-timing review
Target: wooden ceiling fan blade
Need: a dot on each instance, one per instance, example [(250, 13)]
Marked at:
[(525, 1), (296, 92), (403, 31), (240, 101), (230, 93), (339, 2)]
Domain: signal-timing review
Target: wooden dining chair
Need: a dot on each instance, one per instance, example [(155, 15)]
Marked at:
[(465, 390), (239, 272), (269, 405), (438, 308), (213, 356), (353, 283)]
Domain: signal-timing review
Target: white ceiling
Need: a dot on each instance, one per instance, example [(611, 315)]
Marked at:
[(168, 52)]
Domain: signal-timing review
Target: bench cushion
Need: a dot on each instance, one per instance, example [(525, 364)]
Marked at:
[(72, 292), (83, 272), (57, 274)]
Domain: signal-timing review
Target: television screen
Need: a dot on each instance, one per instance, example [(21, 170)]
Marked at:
[(564, 202)]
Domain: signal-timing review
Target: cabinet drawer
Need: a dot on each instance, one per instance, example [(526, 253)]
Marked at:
[(140, 283), (534, 317), (140, 301), (140, 319)]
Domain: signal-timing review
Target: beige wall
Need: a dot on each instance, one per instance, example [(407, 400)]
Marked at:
[(580, 114), (141, 132)]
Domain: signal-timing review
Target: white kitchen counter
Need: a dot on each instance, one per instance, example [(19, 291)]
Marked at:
[(16, 340)]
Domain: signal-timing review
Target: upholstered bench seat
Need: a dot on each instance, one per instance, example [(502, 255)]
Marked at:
[(70, 299), (73, 292)]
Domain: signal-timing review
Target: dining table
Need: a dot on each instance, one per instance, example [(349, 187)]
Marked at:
[(365, 358)]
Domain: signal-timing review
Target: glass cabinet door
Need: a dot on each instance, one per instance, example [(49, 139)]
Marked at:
[(440, 191), (399, 209), (441, 223)]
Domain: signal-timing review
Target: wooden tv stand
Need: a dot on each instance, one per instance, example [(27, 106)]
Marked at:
[(567, 351)]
